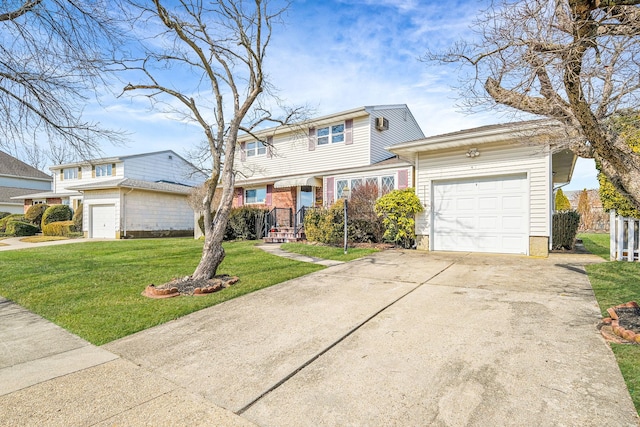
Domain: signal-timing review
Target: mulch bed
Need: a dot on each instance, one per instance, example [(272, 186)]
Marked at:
[(623, 325), (189, 286)]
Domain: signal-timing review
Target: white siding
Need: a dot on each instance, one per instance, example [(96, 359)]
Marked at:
[(100, 197), (291, 154), (402, 128), (149, 211), (162, 166), (85, 177), (494, 160), (12, 208)]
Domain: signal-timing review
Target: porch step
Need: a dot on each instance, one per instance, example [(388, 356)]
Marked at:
[(282, 239), (284, 235)]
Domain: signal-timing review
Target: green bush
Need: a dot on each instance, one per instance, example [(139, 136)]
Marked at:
[(4, 214), (398, 209), (59, 228), (56, 213), (365, 226), (565, 229), (245, 223), (325, 225), (21, 228), (77, 218), (562, 201), (35, 212), (10, 217)]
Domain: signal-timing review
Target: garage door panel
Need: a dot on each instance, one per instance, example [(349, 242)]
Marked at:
[(481, 214), (103, 221)]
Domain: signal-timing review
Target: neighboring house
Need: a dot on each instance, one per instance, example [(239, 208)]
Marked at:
[(592, 216), (18, 178), (143, 195), (311, 163), (488, 189)]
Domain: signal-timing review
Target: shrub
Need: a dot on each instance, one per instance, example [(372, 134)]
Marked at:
[(398, 209), (245, 223), (4, 214), (35, 212), (565, 228), (325, 225), (365, 225), (77, 218), (21, 228), (58, 228), (562, 201), (56, 213), (10, 217)]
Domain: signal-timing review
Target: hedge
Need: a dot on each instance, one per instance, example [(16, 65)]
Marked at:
[(35, 212), (77, 218), (10, 217), (565, 229), (56, 213), (58, 228), (21, 228)]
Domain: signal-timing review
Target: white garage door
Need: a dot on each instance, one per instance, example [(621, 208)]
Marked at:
[(103, 221), (481, 215)]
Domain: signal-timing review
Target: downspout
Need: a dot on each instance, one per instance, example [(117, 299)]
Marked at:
[(124, 212)]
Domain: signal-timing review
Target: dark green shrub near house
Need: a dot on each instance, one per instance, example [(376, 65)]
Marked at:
[(565, 229), (245, 223), (59, 228), (77, 218), (34, 214), (4, 214), (56, 213), (6, 219), (21, 228)]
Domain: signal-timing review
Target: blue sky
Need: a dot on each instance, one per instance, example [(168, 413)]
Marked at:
[(338, 55)]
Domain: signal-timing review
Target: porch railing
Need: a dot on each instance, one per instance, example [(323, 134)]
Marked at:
[(299, 220), (624, 238), (279, 217)]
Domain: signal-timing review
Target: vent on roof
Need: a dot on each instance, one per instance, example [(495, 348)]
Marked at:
[(382, 123)]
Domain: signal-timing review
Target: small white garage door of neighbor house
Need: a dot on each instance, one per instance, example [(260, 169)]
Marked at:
[(103, 221), (484, 214)]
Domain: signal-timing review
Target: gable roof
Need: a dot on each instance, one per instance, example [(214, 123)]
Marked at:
[(161, 187), (10, 194), (116, 159), (10, 166)]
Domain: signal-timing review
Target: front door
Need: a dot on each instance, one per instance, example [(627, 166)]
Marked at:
[(306, 196)]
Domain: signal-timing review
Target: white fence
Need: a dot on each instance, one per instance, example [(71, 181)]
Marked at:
[(624, 238)]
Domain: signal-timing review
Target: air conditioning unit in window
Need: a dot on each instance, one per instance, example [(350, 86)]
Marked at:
[(382, 123)]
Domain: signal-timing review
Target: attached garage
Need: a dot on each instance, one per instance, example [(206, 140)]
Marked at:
[(102, 220), (485, 214), (488, 189)]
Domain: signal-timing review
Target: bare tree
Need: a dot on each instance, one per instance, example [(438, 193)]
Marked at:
[(204, 63), (575, 61), (50, 62)]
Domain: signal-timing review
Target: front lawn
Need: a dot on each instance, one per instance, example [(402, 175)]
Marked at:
[(326, 252), (93, 289), (615, 283)]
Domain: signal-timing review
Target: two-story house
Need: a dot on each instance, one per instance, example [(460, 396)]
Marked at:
[(18, 178), (313, 162), (143, 195)]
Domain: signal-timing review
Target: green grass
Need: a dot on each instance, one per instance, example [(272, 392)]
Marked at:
[(615, 283), (93, 289), (327, 252)]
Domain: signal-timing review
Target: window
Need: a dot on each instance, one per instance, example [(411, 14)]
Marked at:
[(330, 134), (388, 184), (103, 170), (340, 186), (70, 173), (372, 182), (355, 183), (256, 148), (255, 195)]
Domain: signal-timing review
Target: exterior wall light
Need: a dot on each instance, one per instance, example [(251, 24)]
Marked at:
[(473, 152)]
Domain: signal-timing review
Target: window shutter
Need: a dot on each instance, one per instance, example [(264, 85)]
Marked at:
[(348, 132), (269, 149), (93, 171), (403, 179), (79, 172), (267, 200), (113, 169), (312, 139), (61, 174), (240, 196), (243, 152), (329, 191)]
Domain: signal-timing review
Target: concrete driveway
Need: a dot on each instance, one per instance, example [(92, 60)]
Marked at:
[(402, 338)]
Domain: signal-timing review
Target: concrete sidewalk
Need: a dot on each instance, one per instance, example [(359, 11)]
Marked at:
[(396, 338), (15, 243)]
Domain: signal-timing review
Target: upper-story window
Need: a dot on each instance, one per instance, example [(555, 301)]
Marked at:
[(70, 173), (256, 148), (330, 134), (103, 170)]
